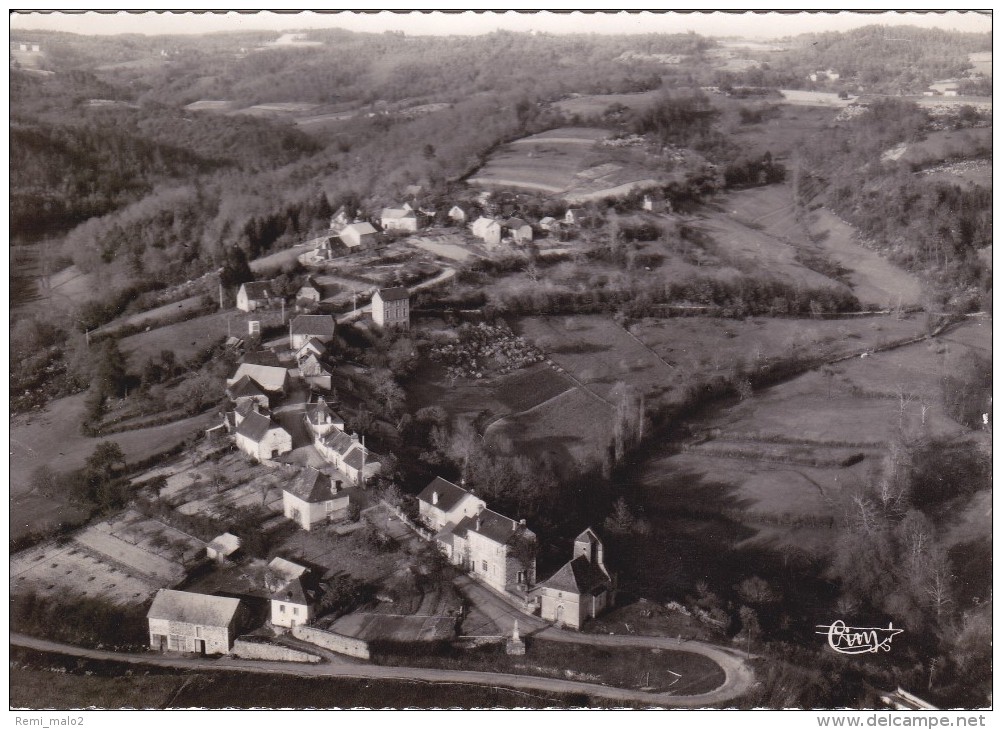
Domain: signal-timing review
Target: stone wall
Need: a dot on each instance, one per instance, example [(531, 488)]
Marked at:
[(244, 649), (334, 642)]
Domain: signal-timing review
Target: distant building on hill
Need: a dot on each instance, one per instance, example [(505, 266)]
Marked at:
[(255, 295), (359, 236), (391, 308), (488, 230), (399, 219)]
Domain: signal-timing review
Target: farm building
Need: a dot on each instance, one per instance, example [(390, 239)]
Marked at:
[(581, 589), (281, 571), (488, 545), (305, 327), (255, 295), (315, 373), (222, 547), (391, 308), (488, 230), (348, 455), (246, 389), (340, 219), (519, 230), (321, 420), (443, 503), (261, 438), (312, 291), (270, 378), (357, 236), (312, 497), (193, 622), (398, 219)]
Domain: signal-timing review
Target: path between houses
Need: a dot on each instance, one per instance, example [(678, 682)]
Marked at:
[(734, 685)]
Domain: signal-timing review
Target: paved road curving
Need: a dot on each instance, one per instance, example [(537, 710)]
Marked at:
[(736, 683)]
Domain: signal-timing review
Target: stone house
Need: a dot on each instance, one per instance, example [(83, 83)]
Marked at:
[(261, 438), (321, 420), (269, 378), (313, 497), (399, 219), (391, 308), (295, 603), (348, 456), (443, 503), (493, 548), (193, 622), (305, 327), (581, 589), (247, 390), (519, 230), (255, 295), (488, 230), (315, 373)]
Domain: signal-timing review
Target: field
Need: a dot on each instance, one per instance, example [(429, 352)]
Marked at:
[(124, 559), (944, 145), (780, 133), (563, 162), (982, 62), (187, 338), (875, 280), (813, 98), (53, 437), (588, 106)]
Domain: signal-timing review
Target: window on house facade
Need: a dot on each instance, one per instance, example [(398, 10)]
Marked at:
[(281, 608), (198, 631), (483, 566), (521, 576), (175, 642)]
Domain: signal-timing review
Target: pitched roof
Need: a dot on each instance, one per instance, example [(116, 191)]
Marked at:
[(311, 485), (313, 344), (360, 456), (286, 569), (297, 590), (269, 377), (339, 442), (578, 576), (315, 410), (319, 325), (394, 293), (482, 224), (255, 426), (193, 608), (360, 229), (397, 213), (246, 387), (493, 526), (449, 494), (311, 366), (244, 408), (261, 357), (257, 289), (515, 223)]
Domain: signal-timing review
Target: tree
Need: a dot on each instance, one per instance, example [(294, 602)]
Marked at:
[(750, 627), (756, 591), (106, 457), (236, 269)]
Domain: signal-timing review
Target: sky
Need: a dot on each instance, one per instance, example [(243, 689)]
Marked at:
[(749, 25)]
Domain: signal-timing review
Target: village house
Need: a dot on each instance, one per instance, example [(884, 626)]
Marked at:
[(305, 327), (281, 571), (488, 230), (581, 589), (358, 236), (576, 216), (443, 503), (311, 292), (255, 295), (312, 346), (493, 548), (340, 219), (549, 223), (317, 375), (399, 219), (519, 230), (269, 378), (656, 204), (223, 547), (295, 603), (313, 497), (321, 420), (391, 308), (246, 389), (457, 215), (259, 437), (193, 622), (348, 455)]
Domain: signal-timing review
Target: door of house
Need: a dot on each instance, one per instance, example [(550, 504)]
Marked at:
[(200, 646), (560, 614)]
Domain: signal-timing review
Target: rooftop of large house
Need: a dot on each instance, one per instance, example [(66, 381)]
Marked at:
[(359, 228), (397, 213), (394, 293), (297, 590), (493, 526), (318, 325), (257, 289), (246, 387), (312, 367), (442, 494), (311, 485), (255, 426), (193, 608), (269, 377)]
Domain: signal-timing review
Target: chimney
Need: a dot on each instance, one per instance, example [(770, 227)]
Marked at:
[(522, 522), (478, 523), (434, 497), (289, 594)]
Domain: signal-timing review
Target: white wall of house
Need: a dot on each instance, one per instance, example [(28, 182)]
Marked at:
[(275, 443), (392, 314), (570, 609), (289, 613), (435, 518), (309, 514)]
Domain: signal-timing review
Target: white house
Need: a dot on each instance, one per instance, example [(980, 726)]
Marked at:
[(488, 230), (493, 548), (312, 346), (391, 308), (443, 503), (317, 375), (255, 295), (305, 327), (358, 236), (348, 455), (321, 420), (398, 219), (313, 497), (261, 438), (575, 216), (519, 230), (549, 223), (581, 589), (457, 215), (193, 622), (295, 603)]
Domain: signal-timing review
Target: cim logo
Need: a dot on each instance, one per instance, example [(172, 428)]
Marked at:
[(857, 640)]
